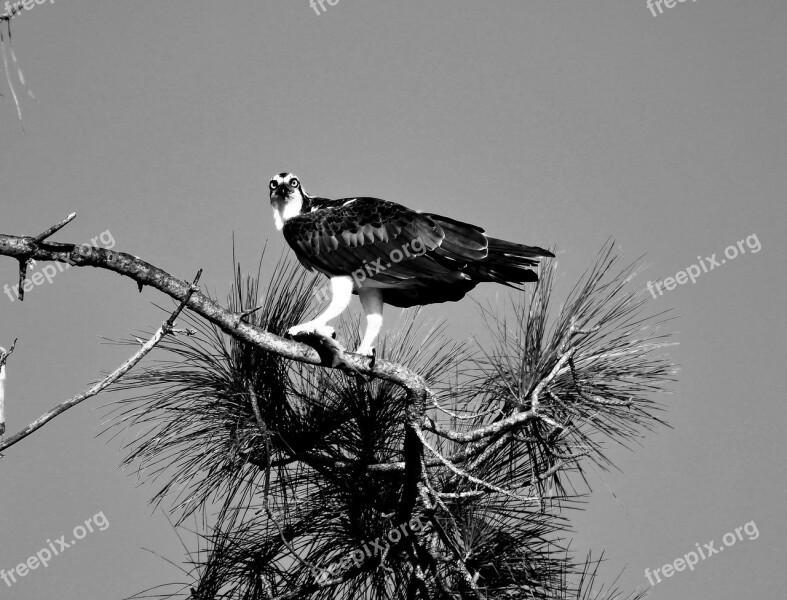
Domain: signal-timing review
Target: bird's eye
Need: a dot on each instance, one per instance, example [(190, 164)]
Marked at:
[(273, 184), (294, 182)]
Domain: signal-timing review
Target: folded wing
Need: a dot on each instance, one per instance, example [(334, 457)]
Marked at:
[(418, 258)]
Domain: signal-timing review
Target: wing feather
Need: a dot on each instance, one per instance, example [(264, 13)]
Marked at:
[(417, 250), (344, 236)]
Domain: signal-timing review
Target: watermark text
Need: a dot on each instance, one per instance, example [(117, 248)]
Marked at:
[(358, 556), (709, 263), (46, 554), (49, 271), (690, 559), (654, 4)]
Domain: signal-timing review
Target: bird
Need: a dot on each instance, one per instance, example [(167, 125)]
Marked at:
[(387, 253)]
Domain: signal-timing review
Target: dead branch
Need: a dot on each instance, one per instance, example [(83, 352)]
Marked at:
[(165, 329), (145, 274)]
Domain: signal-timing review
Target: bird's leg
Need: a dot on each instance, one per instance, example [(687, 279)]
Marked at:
[(372, 303), (341, 292)]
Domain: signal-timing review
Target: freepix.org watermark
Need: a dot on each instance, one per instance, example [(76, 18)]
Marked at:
[(691, 559), (368, 270), (50, 270), (654, 4), (709, 263), (357, 557), (321, 3), (42, 557), (14, 8)]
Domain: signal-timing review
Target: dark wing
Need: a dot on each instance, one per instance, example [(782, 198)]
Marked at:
[(351, 233)]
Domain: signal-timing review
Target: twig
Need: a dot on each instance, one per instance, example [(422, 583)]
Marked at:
[(456, 470), (470, 417), (54, 229), (470, 494), (5, 64), (4, 354), (248, 313), (170, 323), (474, 435), (457, 562), (15, 11), (165, 329), (267, 437), (516, 419), (25, 260), (587, 397), (22, 276), (3, 358)]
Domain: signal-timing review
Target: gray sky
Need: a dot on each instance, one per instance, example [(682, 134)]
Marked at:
[(545, 122)]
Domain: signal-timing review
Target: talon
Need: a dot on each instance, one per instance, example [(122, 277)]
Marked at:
[(296, 329), (325, 331), (315, 328)]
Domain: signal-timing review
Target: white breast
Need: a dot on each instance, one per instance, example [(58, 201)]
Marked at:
[(285, 210)]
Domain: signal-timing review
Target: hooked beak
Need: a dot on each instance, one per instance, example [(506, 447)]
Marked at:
[(281, 191)]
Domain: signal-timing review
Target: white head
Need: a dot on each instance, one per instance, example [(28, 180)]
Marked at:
[(287, 198)]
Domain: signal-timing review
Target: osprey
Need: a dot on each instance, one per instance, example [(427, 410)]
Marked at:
[(387, 253)]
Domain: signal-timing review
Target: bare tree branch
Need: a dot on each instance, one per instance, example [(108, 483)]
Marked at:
[(145, 274), (165, 329)]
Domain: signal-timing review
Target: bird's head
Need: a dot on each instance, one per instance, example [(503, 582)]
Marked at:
[(287, 198)]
